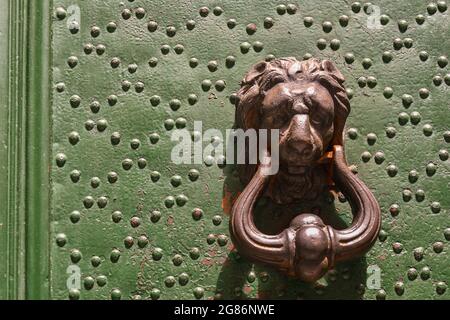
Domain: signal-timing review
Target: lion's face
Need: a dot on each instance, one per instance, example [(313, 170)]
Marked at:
[(303, 111), (307, 102)]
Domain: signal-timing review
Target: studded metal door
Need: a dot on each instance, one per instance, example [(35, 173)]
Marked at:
[(125, 74)]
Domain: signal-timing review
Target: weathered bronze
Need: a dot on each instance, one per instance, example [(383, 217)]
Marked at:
[(307, 102)]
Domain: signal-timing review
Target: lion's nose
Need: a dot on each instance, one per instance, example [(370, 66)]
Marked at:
[(299, 136)]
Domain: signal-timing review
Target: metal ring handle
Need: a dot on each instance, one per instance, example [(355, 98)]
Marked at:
[(308, 248)]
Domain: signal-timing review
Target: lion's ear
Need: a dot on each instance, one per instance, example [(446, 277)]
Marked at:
[(329, 67), (255, 72)]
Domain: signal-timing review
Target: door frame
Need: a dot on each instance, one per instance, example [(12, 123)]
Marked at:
[(25, 133)]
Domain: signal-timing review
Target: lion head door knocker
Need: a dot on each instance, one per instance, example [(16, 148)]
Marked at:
[(307, 102)]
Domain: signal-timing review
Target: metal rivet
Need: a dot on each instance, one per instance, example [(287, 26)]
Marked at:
[(116, 294), (217, 220), (88, 283), (135, 144), (210, 239), (101, 280), (95, 31), (88, 48), (420, 195), (100, 49), (407, 100), (74, 137), (222, 240), (157, 254), (142, 241), (155, 216), (139, 87), (72, 61), (399, 288), (387, 56), (60, 87), (96, 261), (88, 202), (407, 195), (245, 47), (403, 26), (435, 207), (415, 117), (397, 43), (95, 182), (204, 11), (102, 124), (335, 44), (327, 26), (382, 236), (75, 256), (438, 247), (61, 239), (356, 7), (431, 9), (384, 19), (441, 287), (126, 14), (194, 253), (169, 202), (423, 55), (75, 216), (281, 9), (268, 23), (392, 170), (179, 48), (431, 169), (366, 156), (128, 242), (116, 216), (388, 92), (408, 42), (74, 294), (308, 21), (427, 130), (193, 62), (197, 214), (142, 163), (75, 176), (412, 274), (403, 118), (231, 23), (420, 19), (443, 155), (177, 260), (217, 11), (127, 164), (155, 176), (343, 20), (321, 44), (394, 210), (111, 27), (75, 101), (425, 273), (251, 28), (61, 159), (418, 253), (170, 281), (391, 132), (424, 93)]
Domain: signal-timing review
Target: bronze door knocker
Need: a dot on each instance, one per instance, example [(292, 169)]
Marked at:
[(307, 102)]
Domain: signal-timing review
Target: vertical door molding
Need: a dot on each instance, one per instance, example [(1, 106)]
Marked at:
[(24, 142)]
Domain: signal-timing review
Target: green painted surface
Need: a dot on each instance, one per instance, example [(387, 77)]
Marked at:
[(168, 266)]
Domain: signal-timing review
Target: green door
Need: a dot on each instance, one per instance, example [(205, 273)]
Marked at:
[(93, 207)]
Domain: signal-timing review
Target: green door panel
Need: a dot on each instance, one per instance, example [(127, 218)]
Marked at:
[(128, 223)]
